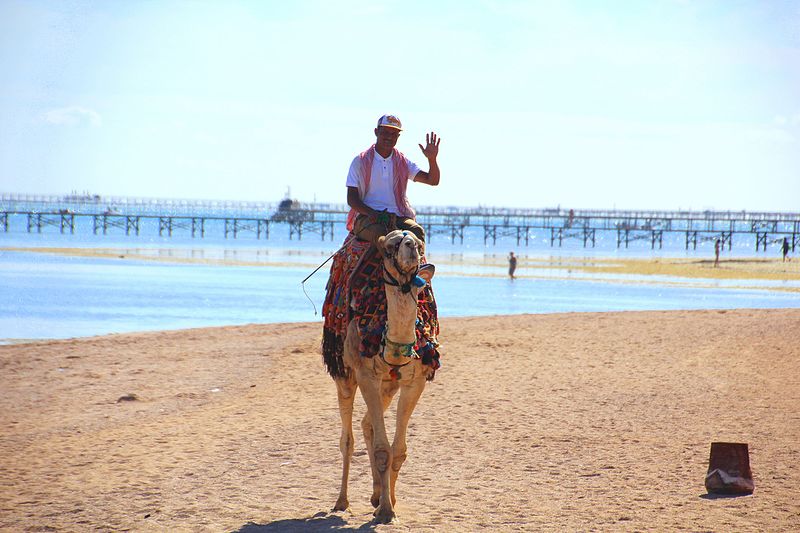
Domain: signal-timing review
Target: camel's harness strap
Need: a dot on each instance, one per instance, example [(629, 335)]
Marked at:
[(406, 350)]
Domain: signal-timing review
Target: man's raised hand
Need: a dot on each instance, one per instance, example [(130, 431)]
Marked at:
[(431, 149)]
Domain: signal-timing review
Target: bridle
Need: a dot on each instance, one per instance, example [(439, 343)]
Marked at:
[(404, 349), (405, 288)]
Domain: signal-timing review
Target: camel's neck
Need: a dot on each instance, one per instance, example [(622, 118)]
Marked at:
[(401, 311)]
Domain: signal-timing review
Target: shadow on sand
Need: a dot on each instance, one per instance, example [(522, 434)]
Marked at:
[(320, 522), (711, 496)]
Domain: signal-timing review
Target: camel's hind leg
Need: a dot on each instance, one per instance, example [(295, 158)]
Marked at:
[(387, 393), (409, 396), (346, 391)]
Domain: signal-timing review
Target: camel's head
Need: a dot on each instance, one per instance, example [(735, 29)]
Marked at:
[(401, 251)]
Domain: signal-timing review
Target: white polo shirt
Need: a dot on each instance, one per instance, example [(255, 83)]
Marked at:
[(380, 194)]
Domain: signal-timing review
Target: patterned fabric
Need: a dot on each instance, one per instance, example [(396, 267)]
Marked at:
[(356, 291), (400, 173)]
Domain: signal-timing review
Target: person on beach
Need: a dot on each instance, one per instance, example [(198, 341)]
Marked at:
[(512, 264), (785, 248), (377, 182), (716, 252)]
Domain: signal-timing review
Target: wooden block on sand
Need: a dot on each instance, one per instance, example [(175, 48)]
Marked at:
[(729, 469)]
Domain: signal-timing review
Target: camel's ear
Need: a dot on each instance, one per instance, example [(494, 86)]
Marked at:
[(382, 247), (426, 272)]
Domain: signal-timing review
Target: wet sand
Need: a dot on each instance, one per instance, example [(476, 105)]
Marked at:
[(570, 422)]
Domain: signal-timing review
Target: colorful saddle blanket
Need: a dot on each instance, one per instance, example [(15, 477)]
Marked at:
[(356, 290)]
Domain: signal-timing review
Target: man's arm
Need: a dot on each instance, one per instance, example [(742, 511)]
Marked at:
[(431, 151), (354, 201)]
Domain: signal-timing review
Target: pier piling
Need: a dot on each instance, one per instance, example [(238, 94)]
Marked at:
[(497, 224)]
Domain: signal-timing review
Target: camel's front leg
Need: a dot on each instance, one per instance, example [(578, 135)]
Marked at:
[(387, 393), (370, 384), (409, 396), (346, 391)]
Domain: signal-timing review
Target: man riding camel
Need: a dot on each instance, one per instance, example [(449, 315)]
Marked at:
[(377, 182)]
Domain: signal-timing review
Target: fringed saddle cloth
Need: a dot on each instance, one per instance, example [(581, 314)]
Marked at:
[(354, 292)]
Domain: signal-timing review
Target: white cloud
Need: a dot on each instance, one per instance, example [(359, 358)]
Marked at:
[(72, 116), (787, 120)]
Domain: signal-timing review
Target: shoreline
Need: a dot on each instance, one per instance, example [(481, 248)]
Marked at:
[(589, 421), (11, 341), (744, 268)]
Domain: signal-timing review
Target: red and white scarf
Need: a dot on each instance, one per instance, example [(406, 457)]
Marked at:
[(400, 172)]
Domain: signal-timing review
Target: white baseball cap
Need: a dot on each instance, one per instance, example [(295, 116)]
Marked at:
[(390, 121)]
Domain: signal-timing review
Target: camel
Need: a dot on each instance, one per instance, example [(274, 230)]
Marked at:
[(380, 377)]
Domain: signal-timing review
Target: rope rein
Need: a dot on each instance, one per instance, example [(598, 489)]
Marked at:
[(303, 283)]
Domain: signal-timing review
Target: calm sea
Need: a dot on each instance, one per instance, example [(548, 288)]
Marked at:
[(56, 296)]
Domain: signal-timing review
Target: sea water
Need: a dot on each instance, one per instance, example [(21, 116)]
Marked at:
[(61, 296)]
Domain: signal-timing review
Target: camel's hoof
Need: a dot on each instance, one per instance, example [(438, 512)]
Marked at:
[(383, 517), (341, 505)]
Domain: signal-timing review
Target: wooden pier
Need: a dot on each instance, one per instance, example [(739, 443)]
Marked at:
[(232, 219)]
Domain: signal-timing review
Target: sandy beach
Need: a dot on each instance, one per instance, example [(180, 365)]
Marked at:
[(568, 422)]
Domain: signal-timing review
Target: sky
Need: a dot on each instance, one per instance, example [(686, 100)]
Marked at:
[(638, 104)]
